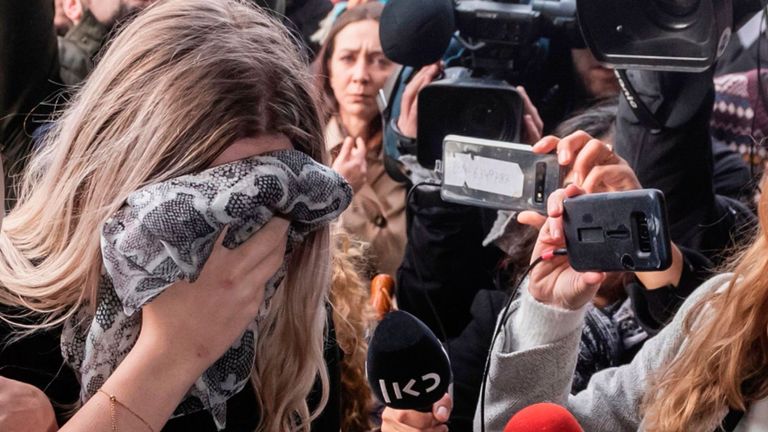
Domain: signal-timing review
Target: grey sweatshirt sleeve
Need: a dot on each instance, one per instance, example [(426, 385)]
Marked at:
[(521, 374)]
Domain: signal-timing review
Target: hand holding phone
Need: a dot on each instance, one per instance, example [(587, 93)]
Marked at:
[(553, 281)]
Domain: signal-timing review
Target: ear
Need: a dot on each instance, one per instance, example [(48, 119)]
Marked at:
[(73, 9)]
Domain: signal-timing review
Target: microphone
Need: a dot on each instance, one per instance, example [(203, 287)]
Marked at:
[(416, 32), (543, 417), (407, 367)]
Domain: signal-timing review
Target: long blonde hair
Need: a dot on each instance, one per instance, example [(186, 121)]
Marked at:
[(724, 363), (353, 318), (173, 90)]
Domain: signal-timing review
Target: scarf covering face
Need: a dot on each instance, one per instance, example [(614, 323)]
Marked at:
[(166, 231)]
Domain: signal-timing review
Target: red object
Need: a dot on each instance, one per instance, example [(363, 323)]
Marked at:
[(543, 417), (382, 291)]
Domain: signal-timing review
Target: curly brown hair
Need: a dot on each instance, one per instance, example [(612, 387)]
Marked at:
[(352, 317)]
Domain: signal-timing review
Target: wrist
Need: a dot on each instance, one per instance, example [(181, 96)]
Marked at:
[(405, 144), (536, 323), (671, 276), (152, 380), (551, 301), (165, 351)]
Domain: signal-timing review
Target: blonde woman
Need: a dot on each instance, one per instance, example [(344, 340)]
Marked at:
[(188, 85), (707, 368)]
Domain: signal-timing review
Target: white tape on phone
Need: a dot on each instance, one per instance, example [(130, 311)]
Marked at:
[(483, 174)]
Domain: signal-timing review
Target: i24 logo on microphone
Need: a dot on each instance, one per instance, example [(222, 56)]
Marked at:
[(431, 381)]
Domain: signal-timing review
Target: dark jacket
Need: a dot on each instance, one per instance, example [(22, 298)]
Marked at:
[(678, 159), (37, 360), (36, 66)]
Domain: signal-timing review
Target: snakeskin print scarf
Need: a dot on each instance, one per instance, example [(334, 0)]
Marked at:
[(165, 232)]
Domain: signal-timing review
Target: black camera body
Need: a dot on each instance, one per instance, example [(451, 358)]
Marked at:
[(673, 35), (500, 43), (462, 105)]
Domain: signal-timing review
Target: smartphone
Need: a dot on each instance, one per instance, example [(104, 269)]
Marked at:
[(497, 174), (618, 231)]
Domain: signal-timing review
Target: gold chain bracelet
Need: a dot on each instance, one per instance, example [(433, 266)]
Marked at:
[(113, 403)]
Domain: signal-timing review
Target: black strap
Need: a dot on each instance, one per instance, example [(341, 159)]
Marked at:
[(730, 421), (395, 170), (405, 144), (643, 114)]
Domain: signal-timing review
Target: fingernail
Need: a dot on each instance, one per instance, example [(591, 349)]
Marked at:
[(442, 412), (553, 231), (562, 157)]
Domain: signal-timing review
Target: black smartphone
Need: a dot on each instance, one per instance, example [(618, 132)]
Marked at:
[(497, 174), (618, 231)]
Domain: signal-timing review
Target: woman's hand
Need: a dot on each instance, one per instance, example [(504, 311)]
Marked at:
[(408, 120), (183, 331), (394, 420), (534, 125), (553, 281), (351, 163), (592, 163), (199, 321), (24, 408), (596, 168)]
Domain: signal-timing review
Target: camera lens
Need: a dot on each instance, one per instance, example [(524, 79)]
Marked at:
[(490, 117)]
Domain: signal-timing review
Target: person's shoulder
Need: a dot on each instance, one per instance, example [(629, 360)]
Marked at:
[(718, 283)]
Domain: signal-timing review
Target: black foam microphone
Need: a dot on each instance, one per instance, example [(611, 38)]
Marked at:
[(407, 366), (416, 32)]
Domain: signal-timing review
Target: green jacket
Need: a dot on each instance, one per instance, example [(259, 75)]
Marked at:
[(78, 48)]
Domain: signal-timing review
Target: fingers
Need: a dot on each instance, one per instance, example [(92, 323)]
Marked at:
[(358, 155), (554, 207), (423, 77), (346, 149), (590, 279), (546, 145), (530, 109), (533, 134), (569, 146), (610, 178), (585, 287), (359, 152), (531, 218), (555, 210), (409, 103), (441, 409), (394, 420), (268, 241), (594, 152)]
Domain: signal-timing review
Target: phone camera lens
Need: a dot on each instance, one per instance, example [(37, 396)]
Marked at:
[(627, 262)]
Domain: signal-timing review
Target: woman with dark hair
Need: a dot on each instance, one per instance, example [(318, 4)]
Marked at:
[(351, 68)]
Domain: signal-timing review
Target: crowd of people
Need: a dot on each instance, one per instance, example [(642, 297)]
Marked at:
[(198, 194)]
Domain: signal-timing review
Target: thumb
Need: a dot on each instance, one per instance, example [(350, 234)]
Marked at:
[(441, 409), (585, 288)]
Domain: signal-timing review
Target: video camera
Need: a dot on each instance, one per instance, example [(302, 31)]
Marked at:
[(500, 41)]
